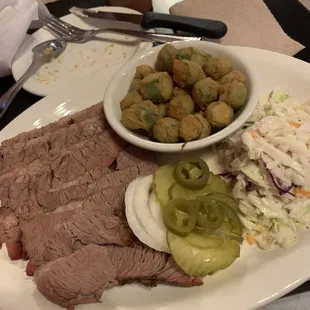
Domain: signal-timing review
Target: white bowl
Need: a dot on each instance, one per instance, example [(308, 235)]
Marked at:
[(119, 85)]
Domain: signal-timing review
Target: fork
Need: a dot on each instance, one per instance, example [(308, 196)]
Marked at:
[(74, 34)]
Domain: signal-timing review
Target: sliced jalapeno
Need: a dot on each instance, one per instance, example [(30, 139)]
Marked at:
[(192, 174), (179, 216), (210, 215), (232, 218), (217, 216)]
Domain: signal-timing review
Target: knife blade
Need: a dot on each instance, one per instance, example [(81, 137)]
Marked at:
[(213, 29)]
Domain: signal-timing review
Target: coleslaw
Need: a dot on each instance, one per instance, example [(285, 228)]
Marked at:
[(269, 161)]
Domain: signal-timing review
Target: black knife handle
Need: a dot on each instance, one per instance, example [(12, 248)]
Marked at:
[(212, 29)]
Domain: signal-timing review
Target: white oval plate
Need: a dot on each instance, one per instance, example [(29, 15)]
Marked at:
[(107, 54), (255, 279)]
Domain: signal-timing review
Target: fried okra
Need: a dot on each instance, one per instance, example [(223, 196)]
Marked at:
[(217, 67), (181, 106), (177, 91), (135, 85), (166, 130), (186, 73), (162, 109), (219, 114), (157, 87), (143, 71), (206, 128), (205, 91), (165, 58), (233, 76), (133, 97), (192, 54), (190, 128), (140, 116), (234, 94)]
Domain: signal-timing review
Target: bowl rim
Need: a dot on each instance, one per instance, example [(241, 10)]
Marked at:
[(182, 146)]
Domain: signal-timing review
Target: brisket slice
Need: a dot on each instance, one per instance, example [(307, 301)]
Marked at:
[(72, 161), (53, 198), (23, 153), (90, 112), (58, 234), (51, 176), (132, 156), (112, 199), (21, 194), (83, 276), (108, 202), (39, 201)]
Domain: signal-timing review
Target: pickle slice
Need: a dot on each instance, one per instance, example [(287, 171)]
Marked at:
[(162, 180), (213, 260), (224, 197), (198, 262), (204, 242), (183, 251), (177, 191), (215, 184), (218, 185), (234, 247)]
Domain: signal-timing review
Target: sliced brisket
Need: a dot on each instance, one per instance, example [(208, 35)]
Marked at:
[(90, 112), (107, 200), (58, 234), (106, 190), (54, 198), (23, 153), (27, 193), (62, 191), (132, 156), (84, 275), (60, 167)]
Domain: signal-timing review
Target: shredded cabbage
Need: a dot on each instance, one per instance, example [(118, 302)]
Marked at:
[(270, 159)]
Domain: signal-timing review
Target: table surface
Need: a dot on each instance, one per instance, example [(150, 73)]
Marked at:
[(293, 17)]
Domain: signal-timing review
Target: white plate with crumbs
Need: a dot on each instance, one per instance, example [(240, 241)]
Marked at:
[(107, 54), (258, 277)]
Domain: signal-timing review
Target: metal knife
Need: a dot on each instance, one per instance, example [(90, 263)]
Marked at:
[(213, 29)]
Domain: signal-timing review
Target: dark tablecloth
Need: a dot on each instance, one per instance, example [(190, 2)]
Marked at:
[(293, 17)]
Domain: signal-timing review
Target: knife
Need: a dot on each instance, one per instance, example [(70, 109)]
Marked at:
[(213, 29)]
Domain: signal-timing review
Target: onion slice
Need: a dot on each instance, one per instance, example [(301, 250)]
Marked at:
[(155, 209), (281, 187), (132, 220), (144, 216)]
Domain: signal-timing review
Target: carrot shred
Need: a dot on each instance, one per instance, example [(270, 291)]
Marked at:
[(303, 192), (253, 134), (296, 125), (260, 228), (250, 238)]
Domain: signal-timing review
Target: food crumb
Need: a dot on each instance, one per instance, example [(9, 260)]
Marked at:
[(60, 59), (76, 66)]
